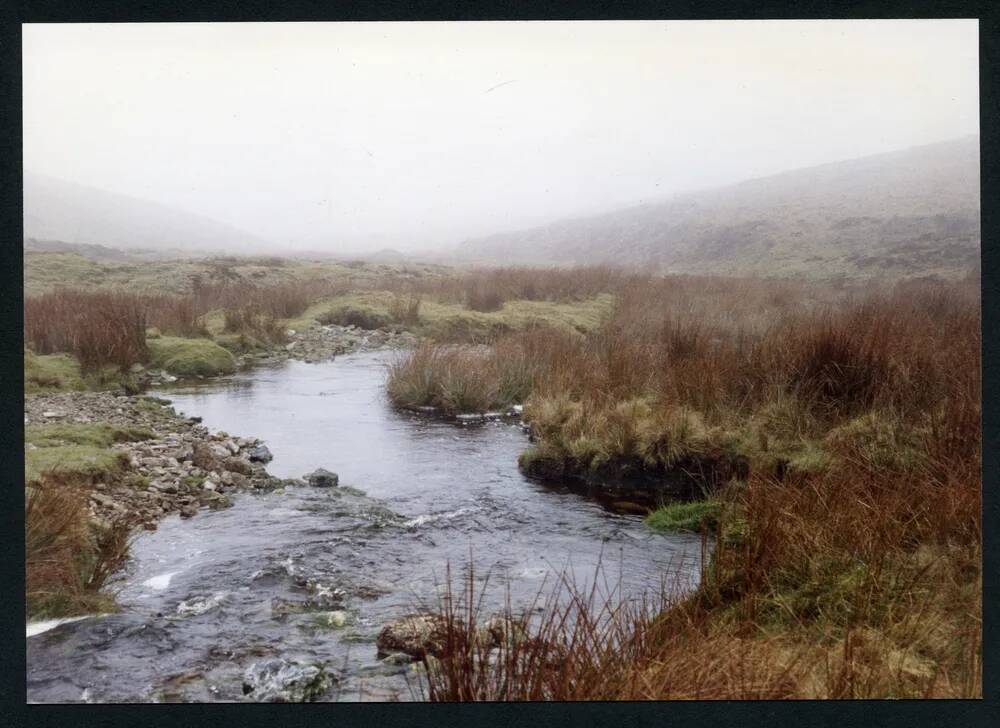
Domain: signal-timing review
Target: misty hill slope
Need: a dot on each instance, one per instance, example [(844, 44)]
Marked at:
[(55, 209), (912, 212)]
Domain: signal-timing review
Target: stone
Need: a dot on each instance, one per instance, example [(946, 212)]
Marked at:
[(237, 465), (261, 454), (203, 457), (286, 681), (104, 500), (321, 478), (235, 480), (416, 635), (221, 452), (164, 486)]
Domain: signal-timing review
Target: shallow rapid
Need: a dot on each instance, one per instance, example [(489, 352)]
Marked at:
[(204, 599)]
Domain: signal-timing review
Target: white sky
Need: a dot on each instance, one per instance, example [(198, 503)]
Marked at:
[(345, 135)]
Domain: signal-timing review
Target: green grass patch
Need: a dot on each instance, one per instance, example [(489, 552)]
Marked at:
[(99, 434), (74, 463), (51, 372), (78, 452), (190, 357), (453, 322), (690, 516)]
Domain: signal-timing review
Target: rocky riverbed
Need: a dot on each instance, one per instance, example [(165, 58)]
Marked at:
[(323, 343), (183, 468)]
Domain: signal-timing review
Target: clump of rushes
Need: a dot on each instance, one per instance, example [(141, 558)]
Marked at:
[(68, 561), (99, 328), (452, 379)]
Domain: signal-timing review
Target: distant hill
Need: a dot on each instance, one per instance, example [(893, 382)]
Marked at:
[(57, 210), (102, 252), (911, 212)]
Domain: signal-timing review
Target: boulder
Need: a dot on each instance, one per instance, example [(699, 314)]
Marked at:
[(261, 454), (285, 681), (321, 478)]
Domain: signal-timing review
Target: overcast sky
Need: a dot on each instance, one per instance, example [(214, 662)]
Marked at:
[(339, 136)]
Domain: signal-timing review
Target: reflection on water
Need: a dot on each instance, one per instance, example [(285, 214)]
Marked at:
[(204, 598)]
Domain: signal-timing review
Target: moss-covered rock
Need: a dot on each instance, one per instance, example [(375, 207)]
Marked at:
[(190, 357)]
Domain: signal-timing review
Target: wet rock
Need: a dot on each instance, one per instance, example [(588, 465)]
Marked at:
[(189, 510), (261, 454), (217, 501), (196, 606), (285, 681), (416, 635), (501, 631), (321, 478), (336, 619)]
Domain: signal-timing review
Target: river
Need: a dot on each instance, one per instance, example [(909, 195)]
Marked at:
[(202, 599)]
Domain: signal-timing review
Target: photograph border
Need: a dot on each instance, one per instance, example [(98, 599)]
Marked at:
[(910, 713)]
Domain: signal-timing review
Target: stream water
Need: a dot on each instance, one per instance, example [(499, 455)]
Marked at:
[(203, 599)]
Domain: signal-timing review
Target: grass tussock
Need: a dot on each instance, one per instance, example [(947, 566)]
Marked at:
[(51, 372), (190, 357), (69, 561)]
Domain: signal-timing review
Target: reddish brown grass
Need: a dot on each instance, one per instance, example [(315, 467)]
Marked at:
[(99, 328), (67, 562)]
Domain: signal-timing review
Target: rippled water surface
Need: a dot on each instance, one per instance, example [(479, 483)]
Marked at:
[(205, 598)]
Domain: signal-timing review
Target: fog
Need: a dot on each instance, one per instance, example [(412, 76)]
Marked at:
[(346, 137)]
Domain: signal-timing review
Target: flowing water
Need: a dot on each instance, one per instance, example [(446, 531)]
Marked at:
[(203, 599)]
